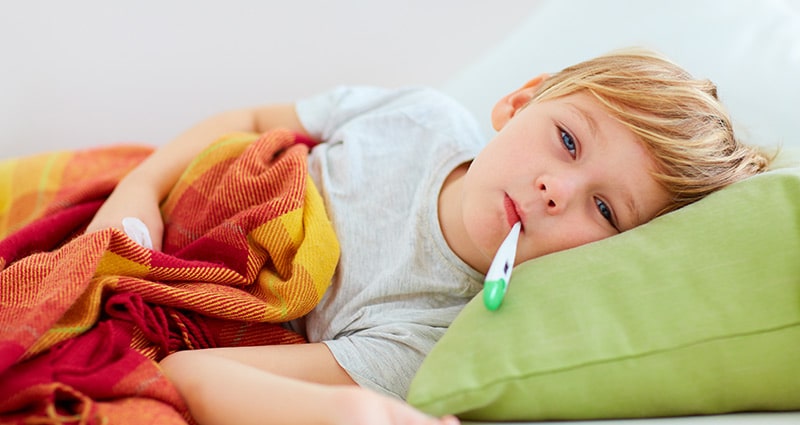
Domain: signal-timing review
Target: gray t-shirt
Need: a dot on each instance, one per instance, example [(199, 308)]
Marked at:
[(398, 286)]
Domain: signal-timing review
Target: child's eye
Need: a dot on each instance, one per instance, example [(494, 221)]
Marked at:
[(605, 211), (568, 141)]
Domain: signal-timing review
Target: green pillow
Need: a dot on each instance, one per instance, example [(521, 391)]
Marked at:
[(697, 312)]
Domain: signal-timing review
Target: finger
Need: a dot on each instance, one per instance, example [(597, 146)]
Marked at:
[(450, 420)]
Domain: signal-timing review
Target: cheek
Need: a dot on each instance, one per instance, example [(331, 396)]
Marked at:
[(582, 238), (556, 238), (482, 226)]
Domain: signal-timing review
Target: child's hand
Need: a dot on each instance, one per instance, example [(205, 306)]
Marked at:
[(358, 406), (131, 200)]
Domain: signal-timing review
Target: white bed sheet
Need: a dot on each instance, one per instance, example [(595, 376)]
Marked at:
[(773, 418)]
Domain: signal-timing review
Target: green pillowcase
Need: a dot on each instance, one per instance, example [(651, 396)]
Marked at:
[(697, 312)]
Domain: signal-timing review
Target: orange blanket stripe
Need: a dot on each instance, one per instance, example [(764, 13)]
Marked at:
[(247, 245)]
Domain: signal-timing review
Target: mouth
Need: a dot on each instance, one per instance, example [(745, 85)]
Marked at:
[(512, 212)]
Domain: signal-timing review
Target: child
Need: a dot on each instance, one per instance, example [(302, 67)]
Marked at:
[(420, 203)]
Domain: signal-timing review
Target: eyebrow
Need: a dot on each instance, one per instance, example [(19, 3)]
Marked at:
[(586, 117)]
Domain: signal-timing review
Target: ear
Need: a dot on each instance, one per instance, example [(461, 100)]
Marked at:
[(511, 103)]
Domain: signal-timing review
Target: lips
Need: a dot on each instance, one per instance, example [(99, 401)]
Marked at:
[(512, 215)]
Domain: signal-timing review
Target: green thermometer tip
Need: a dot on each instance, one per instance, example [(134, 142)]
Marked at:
[(493, 292)]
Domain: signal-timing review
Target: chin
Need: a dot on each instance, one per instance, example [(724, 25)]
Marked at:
[(486, 239)]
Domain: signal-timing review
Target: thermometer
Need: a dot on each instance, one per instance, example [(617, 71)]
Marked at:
[(496, 283)]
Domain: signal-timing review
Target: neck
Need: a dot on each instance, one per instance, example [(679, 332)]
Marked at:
[(451, 221)]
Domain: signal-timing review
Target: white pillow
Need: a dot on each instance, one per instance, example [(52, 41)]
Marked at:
[(749, 48)]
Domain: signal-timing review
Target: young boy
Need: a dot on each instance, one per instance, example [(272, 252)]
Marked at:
[(420, 204)]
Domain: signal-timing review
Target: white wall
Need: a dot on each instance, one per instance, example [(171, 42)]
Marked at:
[(90, 72)]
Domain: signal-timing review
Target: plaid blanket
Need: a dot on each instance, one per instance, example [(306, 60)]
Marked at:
[(85, 317)]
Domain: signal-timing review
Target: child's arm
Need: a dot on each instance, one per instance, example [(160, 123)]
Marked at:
[(294, 384), (142, 190)]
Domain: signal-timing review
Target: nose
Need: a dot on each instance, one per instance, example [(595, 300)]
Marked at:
[(557, 193)]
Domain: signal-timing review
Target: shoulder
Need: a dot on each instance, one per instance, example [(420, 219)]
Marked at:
[(371, 98), (425, 107), (417, 106)]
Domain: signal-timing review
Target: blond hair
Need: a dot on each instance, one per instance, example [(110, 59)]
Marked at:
[(679, 119)]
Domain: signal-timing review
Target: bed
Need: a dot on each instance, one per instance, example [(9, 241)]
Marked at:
[(750, 48)]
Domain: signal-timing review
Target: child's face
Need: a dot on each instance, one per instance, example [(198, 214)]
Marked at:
[(564, 168)]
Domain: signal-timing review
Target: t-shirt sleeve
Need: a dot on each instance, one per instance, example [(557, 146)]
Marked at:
[(385, 358)]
